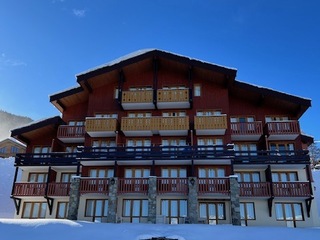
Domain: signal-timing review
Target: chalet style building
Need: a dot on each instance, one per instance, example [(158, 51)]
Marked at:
[(9, 147), (156, 137)]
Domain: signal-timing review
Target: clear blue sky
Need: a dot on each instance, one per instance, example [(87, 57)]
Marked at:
[(45, 43)]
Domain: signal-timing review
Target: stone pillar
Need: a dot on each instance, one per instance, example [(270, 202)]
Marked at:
[(152, 199), (193, 200), (112, 201), (234, 200), (74, 198)]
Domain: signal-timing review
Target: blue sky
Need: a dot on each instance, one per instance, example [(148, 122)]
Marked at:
[(45, 43)]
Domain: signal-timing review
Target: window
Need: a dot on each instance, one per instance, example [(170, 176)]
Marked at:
[(14, 149), (284, 176), (42, 149), (197, 90), (116, 93), (174, 210), (281, 148), (174, 114), (212, 212), (211, 172), (136, 173), (103, 145), (34, 210), (290, 212), (173, 144), (174, 172), (62, 210), (106, 115), (210, 142), (101, 172), (134, 144), (3, 150), (276, 118), (140, 88), (97, 209), (248, 176), (139, 115), (66, 177), (71, 149), (247, 212), (135, 209), (245, 149), (208, 113), (38, 177)]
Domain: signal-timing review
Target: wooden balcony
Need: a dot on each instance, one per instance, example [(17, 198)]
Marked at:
[(134, 100), (39, 189), (255, 189), (94, 185), (101, 127), (58, 189), (215, 186), (246, 131), (29, 189), (172, 186), (291, 189), (173, 98), (282, 130), (71, 134), (140, 126), (210, 125), (133, 185), (174, 126)]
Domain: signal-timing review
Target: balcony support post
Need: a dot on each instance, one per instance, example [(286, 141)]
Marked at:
[(270, 201), (50, 204), (152, 199), (17, 204), (14, 180), (112, 202), (308, 205), (234, 200), (193, 200), (74, 198)]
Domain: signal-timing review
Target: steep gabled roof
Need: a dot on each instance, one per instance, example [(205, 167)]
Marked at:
[(36, 128), (152, 53)]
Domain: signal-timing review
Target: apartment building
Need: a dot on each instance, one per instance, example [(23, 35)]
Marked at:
[(156, 137), (9, 147)]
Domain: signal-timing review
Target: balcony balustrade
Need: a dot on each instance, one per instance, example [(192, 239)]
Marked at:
[(172, 185), (58, 189), (173, 98), (282, 130), (210, 125), (140, 126), (71, 134), (101, 127), (133, 185), (140, 99), (220, 186), (291, 189), (255, 189), (29, 189), (174, 126), (94, 185), (251, 131)]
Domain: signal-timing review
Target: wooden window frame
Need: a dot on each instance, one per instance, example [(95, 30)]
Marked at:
[(197, 92), (130, 216), (169, 217), (94, 208), (215, 169), (294, 220), (32, 209), (245, 208), (37, 176), (241, 175), (65, 215), (217, 219), (287, 173)]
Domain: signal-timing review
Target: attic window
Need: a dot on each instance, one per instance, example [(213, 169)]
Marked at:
[(197, 90)]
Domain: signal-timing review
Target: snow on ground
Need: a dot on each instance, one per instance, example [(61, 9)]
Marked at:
[(53, 229)]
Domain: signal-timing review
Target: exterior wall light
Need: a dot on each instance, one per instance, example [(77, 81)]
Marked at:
[(192, 181), (112, 181)]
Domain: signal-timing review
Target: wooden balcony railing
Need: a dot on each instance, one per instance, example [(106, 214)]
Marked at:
[(172, 185), (29, 189), (58, 189), (173, 95), (283, 128), (94, 185), (66, 131), (101, 124), (174, 123), (140, 123), (291, 189), (141, 96), (213, 186), (210, 122), (246, 128), (133, 185), (255, 189)]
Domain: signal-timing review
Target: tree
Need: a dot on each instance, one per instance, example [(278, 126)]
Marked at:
[(314, 153)]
